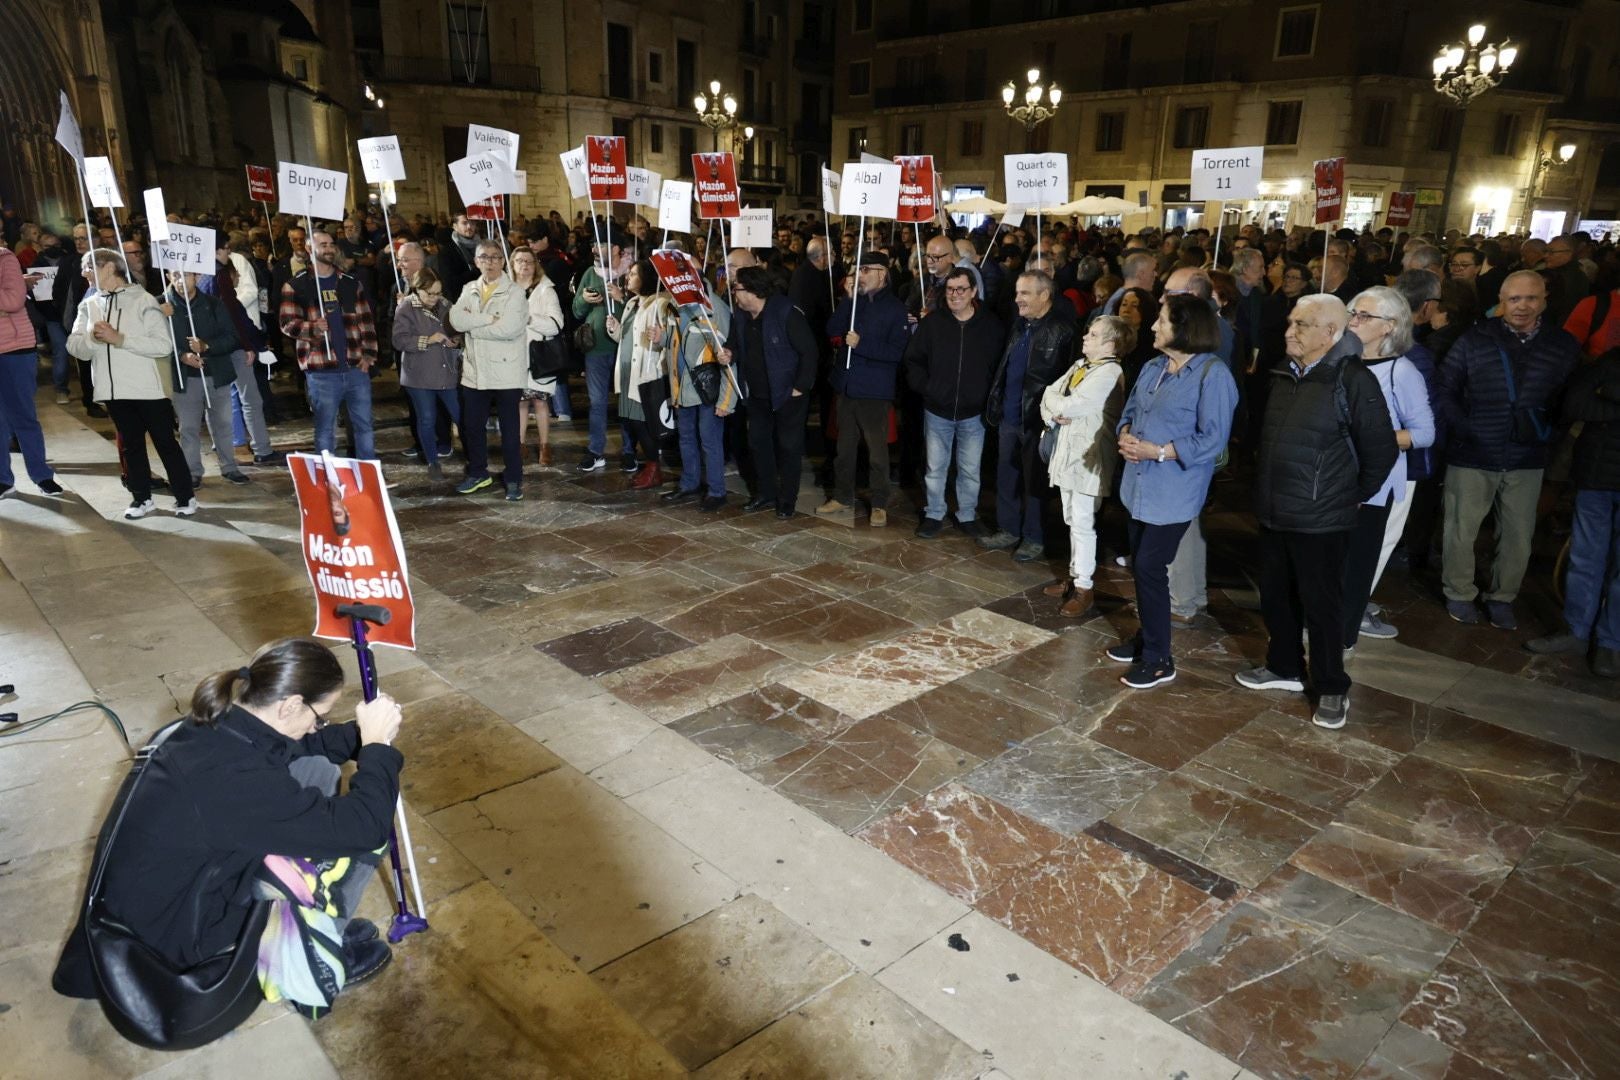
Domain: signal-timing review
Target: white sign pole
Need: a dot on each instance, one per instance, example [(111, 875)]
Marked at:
[(179, 376), (1219, 225), (315, 276), (855, 296), (393, 255)]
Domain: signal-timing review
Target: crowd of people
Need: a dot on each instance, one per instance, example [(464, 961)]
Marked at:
[(1383, 393)]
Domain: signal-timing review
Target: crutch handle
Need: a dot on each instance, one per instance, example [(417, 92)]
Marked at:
[(371, 613)]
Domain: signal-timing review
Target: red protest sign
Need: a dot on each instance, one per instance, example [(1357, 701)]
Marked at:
[(493, 209), (916, 188), (352, 547), (261, 184), (1400, 208), (605, 167), (715, 180), (1329, 190), (679, 274)]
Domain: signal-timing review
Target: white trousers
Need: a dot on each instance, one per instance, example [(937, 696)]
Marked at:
[(1080, 513), (1393, 529)]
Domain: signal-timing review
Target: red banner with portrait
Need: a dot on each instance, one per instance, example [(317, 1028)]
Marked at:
[(916, 188), (714, 179), (1329, 190), (352, 547), (606, 171), (678, 273), (261, 183), (492, 209)]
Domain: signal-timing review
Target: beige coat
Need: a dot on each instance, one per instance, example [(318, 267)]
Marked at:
[(142, 368), (496, 355), (545, 322), (1087, 449)]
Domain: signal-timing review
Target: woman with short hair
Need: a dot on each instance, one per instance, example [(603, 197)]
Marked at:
[(1382, 319), (1174, 426)]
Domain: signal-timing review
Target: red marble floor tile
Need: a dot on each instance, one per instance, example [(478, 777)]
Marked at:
[(1170, 725), (974, 717), (614, 646), (1593, 814), (743, 608)]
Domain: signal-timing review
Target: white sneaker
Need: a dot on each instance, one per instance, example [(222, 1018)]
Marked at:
[(186, 509), (136, 511)]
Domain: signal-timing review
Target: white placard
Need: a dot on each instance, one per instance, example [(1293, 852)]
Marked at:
[(573, 164), (481, 178), (481, 140), (381, 160), (189, 247), (1230, 173), (103, 184), (157, 218), (386, 194), (752, 228), (830, 182), (520, 182), (46, 282), (870, 189), (1013, 218), (675, 206), (873, 159), (67, 132), (317, 193), (1037, 180), (642, 186)]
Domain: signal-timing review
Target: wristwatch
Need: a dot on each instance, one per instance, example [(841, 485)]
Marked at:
[(1161, 455)]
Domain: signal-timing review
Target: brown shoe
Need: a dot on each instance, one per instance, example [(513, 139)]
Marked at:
[(879, 518), (545, 454), (1061, 587), (649, 476), (1080, 602)]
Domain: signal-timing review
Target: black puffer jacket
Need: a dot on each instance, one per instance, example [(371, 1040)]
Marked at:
[(949, 362), (1473, 395), (1319, 459), (1593, 398), (1052, 348)]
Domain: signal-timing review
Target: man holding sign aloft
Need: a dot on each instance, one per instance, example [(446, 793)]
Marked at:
[(336, 355), (203, 332)]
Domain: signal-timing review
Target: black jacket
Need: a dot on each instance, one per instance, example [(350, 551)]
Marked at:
[(1593, 398), (1052, 348), (950, 362), (205, 318), (808, 291), (1323, 452), (215, 800), (1473, 394)]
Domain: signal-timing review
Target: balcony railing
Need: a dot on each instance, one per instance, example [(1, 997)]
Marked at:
[(442, 71), (764, 175)]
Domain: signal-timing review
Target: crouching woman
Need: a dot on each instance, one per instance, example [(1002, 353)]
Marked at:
[(237, 804)]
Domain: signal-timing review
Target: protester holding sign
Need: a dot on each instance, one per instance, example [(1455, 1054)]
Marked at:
[(203, 332), (120, 331), (336, 356), (702, 401), (874, 337), (644, 331), (493, 314)]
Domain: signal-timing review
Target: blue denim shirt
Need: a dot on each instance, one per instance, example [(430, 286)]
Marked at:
[(1192, 409)]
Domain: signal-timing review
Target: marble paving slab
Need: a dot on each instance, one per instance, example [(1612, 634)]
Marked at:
[(1170, 725), (458, 749), (677, 685), (1063, 780), (602, 649), (758, 727)]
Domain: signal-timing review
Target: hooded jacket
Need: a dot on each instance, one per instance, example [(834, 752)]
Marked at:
[(142, 368), (1323, 452), (950, 362)]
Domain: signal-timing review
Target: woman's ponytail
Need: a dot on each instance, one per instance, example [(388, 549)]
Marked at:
[(281, 669)]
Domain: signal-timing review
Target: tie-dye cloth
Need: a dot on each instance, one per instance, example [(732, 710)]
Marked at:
[(301, 952)]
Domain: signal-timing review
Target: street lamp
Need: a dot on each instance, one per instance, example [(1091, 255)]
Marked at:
[(717, 111), (1462, 72), (1039, 103)]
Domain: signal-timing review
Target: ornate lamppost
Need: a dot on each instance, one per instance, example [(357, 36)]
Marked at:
[(716, 110), (1462, 72), (1037, 105)]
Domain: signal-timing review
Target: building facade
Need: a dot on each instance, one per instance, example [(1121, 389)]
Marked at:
[(1147, 85)]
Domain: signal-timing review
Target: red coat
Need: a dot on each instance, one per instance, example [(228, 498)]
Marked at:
[(16, 331)]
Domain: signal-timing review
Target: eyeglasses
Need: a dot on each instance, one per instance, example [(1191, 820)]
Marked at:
[(1361, 316), (935, 258), (1462, 265), (320, 717), (955, 291), (487, 258)]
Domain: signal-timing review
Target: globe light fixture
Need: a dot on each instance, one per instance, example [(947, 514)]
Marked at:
[(1462, 72), (1040, 103)]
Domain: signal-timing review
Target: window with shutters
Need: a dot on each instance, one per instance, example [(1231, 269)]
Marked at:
[(972, 138), (1282, 123), (1296, 32), (1110, 132), (1376, 121), (1192, 127)]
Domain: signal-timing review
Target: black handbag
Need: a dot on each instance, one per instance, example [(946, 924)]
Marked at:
[(584, 337), (147, 999), (549, 358), (707, 379)]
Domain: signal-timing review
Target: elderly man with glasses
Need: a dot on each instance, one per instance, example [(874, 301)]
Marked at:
[(1567, 283)]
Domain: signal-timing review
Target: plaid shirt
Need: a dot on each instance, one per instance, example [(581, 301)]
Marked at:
[(300, 319)]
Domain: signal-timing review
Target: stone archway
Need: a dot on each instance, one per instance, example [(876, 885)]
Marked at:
[(36, 175)]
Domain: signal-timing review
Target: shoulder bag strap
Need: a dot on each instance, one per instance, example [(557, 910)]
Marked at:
[(1507, 373), (137, 770)]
